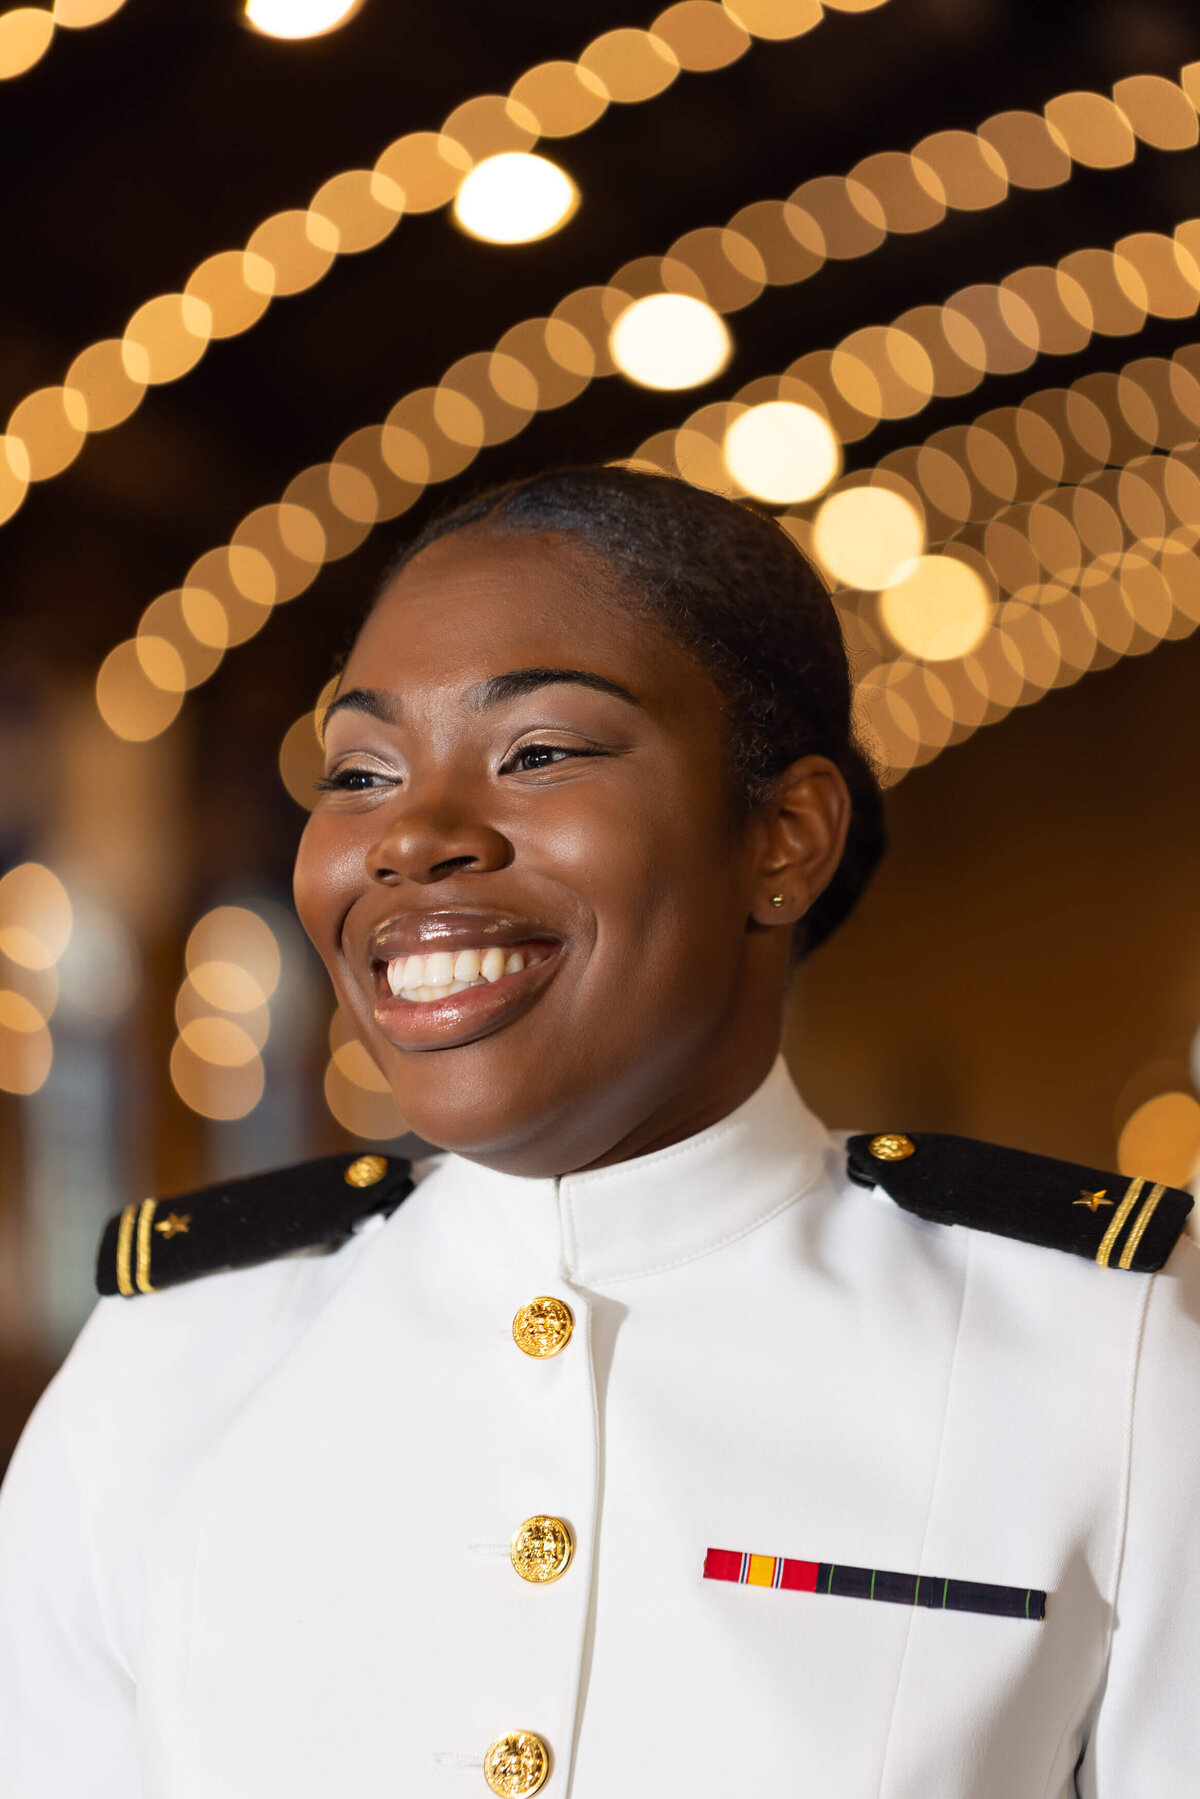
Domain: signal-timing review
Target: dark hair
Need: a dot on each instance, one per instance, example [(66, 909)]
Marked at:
[(728, 583)]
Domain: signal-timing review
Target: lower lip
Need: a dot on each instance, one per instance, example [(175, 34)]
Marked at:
[(462, 1017)]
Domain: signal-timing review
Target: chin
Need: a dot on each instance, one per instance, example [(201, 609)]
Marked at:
[(483, 1107), (539, 1115)]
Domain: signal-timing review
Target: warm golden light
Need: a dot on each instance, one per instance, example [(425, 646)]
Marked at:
[(78, 15), (939, 611), (867, 536), (299, 18), (781, 19), (216, 1090), (301, 760), (25, 34), (515, 198), (220, 1041), (26, 1051), (782, 452), (166, 337), (669, 341), (368, 1112), (17, 1013), (234, 934), (227, 986), (35, 916), (130, 703), (1162, 1140)]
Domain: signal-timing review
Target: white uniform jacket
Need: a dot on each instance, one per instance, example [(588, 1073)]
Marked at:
[(255, 1541)]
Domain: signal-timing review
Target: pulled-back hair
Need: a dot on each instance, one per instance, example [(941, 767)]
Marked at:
[(733, 588)]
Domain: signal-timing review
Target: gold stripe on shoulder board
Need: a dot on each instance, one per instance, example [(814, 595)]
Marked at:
[(1139, 1225), (124, 1246), (144, 1240), (1118, 1220)]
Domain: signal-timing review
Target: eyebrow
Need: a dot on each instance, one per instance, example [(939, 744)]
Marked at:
[(495, 691), (519, 681), (364, 699)]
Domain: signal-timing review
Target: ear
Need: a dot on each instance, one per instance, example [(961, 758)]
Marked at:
[(804, 822)]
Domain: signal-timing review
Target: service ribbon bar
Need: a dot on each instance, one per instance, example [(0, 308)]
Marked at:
[(932, 1590)]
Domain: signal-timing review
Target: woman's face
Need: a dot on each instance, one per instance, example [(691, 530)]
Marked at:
[(528, 781)]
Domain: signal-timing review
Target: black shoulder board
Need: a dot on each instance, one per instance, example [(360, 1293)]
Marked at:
[(1118, 1222), (160, 1242)]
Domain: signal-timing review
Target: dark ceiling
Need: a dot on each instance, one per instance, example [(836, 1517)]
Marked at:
[(139, 147)]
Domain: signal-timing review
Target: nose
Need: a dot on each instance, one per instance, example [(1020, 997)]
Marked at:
[(425, 840)]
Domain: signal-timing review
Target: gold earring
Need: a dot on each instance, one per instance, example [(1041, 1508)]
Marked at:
[(777, 899)]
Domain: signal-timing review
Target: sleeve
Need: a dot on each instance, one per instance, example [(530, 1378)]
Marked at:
[(1146, 1735), (66, 1700)]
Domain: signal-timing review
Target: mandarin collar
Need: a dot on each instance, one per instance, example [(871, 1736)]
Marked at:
[(646, 1215)]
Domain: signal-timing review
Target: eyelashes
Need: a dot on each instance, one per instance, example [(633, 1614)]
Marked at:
[(551, 754), (347, 780), (527, 760)]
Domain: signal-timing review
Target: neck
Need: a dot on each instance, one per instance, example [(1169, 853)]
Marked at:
[(690, 1111)]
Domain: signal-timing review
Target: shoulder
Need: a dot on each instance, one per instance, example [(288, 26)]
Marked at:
[(1116, 1221), (235, 1280), (156, 1243)]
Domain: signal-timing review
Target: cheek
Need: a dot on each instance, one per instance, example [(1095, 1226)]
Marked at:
[(327, 875), (654, 867)]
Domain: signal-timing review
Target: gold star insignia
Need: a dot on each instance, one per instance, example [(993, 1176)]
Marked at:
[(1093, 1201), (172, 1224)]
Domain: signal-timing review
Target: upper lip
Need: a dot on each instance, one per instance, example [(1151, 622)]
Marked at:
[(421, 933)]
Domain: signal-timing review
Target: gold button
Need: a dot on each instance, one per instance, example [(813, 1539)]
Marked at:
[(364, 1171), (544, 1326), (892, 1148), (516, 1764), (541, 1549)]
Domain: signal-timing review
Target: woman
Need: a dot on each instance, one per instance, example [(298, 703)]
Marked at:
[(592, 1467)]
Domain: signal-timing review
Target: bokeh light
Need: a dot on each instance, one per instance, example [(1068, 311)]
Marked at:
[(299, 18), (35, 916), (130, 702), (355, 1091), (26, 1051), (222, 1013), (876, 373), (782, 452), (938, 611), (1162, 1140), (867, 536), (216, 1090), (235, 934), (301, 760), (670, 341), (515, 198), (25, 36)]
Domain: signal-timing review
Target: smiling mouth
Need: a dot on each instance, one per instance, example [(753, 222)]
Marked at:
[(446, 998), (424, 980)]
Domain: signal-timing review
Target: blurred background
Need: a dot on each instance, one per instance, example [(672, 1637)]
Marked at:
[(281, 278)]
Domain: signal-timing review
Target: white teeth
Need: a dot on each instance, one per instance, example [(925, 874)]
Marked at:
[(439, 969), (492, 965), (436, 976)]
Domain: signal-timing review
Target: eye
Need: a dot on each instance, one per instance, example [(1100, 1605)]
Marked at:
[(351, 780), (532, 756)]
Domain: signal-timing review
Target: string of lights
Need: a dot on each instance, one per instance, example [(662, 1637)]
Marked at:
[(481, 160), (1069, 542), (661, 322)]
